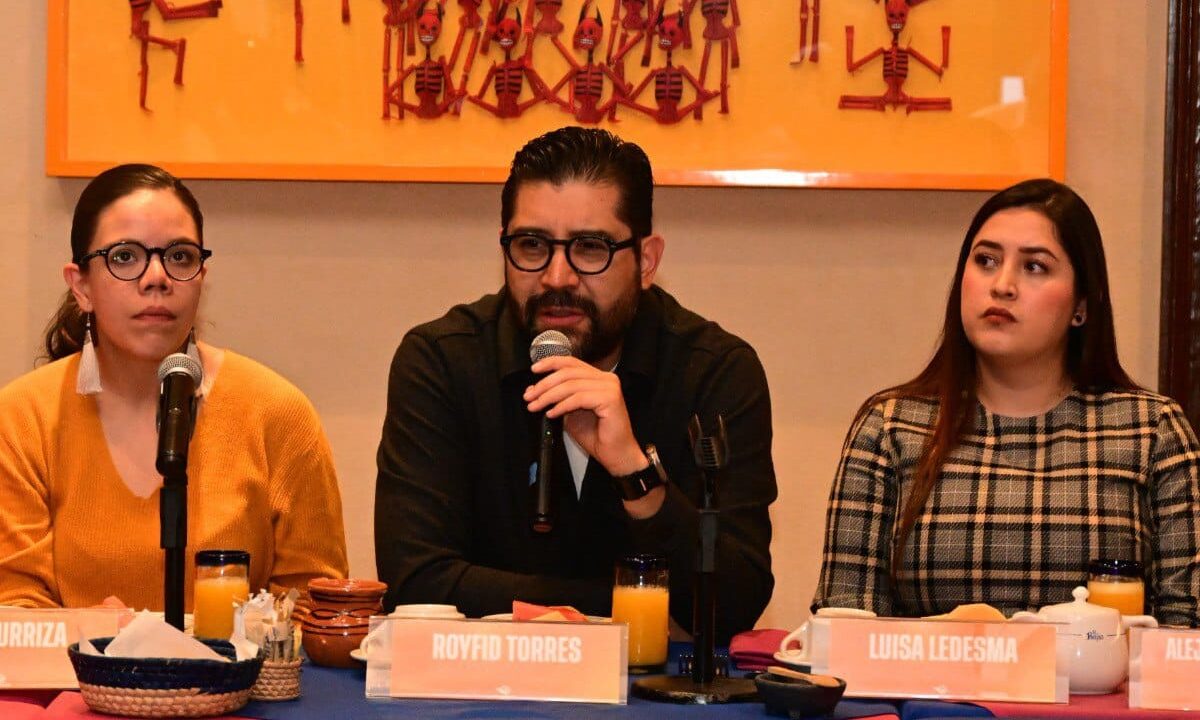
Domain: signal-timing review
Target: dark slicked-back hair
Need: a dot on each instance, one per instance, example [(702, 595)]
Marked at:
[(588, 155)]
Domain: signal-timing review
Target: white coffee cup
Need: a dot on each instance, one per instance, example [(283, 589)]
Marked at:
[(378, 640), (427, 610), (796, 646)]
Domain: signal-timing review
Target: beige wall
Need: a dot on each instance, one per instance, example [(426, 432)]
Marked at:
[(840, 291)]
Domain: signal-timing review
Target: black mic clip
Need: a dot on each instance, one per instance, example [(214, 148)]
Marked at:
[(707, 682), (711, 453)]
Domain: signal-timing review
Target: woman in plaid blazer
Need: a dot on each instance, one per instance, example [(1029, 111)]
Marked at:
[(1023, 449)]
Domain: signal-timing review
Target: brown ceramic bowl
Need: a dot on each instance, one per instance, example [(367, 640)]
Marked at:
[(339, 618), (332, 647)]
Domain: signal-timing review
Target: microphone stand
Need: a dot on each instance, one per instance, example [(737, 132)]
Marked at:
[(172, 515), (704, 686), (174, 423)]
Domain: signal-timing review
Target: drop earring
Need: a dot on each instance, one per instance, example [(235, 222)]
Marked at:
[(1078, 320), (87, 381)]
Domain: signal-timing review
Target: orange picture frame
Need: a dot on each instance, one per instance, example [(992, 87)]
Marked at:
[(247, 109)]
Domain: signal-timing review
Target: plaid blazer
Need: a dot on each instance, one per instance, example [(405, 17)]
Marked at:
[(1021, 506)]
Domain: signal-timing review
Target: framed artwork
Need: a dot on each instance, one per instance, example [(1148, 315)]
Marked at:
[(966, 94), (1179, 321)]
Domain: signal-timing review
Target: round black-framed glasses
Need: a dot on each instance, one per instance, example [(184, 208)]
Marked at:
[(182, 260), (586, 254)]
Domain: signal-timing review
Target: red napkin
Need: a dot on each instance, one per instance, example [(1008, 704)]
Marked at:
[(560, 613), (754, 650)]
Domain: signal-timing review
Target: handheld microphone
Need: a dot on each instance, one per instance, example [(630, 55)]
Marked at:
[(547, 344), (179, 375)]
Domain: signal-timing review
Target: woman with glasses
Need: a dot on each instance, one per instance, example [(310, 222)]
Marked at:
[(1023, 451), (78, 437)]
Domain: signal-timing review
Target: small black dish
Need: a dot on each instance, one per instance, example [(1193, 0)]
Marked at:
[(795, 698)]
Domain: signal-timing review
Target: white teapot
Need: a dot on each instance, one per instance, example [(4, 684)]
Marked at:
[(1092, 641)]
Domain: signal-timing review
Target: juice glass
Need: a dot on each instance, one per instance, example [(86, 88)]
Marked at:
[(1117, 584), (640, 599), (222, 577)]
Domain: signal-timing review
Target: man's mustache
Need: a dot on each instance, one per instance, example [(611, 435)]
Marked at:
[(557, 298)]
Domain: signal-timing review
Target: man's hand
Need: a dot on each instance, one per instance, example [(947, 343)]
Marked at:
[(593, 411), (592, 408)]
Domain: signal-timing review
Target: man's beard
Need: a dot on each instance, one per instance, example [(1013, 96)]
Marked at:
[(606, 330)]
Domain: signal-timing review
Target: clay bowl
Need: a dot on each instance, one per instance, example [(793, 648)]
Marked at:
[(331, 647), (339, 619), (796, 698)]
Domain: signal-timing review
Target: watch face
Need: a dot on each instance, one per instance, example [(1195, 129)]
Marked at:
[(656, 464)]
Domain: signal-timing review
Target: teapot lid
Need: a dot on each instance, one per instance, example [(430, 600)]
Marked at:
[(1080, 610)]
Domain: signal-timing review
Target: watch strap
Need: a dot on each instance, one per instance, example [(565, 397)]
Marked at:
[(637, 485)]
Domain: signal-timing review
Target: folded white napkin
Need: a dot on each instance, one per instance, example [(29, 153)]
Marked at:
[(149, 637)]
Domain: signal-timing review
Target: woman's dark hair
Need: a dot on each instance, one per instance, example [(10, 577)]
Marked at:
[(64, 334), (1091, 356)]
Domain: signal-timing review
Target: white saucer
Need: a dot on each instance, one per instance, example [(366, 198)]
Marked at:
[(358, 654), (794, 659)]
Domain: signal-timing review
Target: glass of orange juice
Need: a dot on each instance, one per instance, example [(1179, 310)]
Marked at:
[(640, 600), (1117, 584), (222, 578)]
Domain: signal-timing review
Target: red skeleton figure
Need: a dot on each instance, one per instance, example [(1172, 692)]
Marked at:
[(714, 13), (809, 45), (895, 66), (587, 80), (140, 30), (669, 79), (432, 76), (498, 11), (685, 15), (509, 75)]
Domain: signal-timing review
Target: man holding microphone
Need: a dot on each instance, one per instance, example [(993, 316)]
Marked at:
[(464, 511)]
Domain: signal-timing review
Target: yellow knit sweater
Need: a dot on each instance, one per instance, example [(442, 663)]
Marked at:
[(260, 478)]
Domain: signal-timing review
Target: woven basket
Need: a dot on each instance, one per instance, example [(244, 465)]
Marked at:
[(279, 680), (164, 687)]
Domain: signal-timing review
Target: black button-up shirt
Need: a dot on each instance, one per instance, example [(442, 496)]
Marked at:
[(453, 495)]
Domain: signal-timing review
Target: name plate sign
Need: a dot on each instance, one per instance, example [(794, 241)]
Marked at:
[(1163, 666), (567, 662), (949, 660), (33, 643)]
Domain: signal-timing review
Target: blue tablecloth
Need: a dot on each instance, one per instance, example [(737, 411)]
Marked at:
[(331, 693), (335, 693)]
